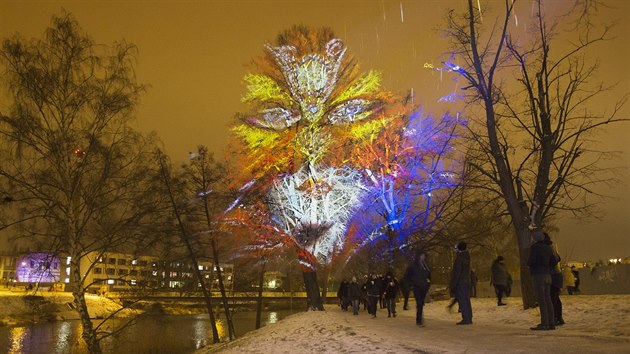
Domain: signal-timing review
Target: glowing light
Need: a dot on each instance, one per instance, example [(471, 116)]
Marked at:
[(314, 205)]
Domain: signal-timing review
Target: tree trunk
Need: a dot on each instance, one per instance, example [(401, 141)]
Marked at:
[(78, 293), (527, 289), (313, 299), (259, 300), (226, 308)]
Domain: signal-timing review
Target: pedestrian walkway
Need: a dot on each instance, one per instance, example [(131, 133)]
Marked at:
[(336, 331)]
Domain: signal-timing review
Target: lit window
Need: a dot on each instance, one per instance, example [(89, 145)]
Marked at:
[(229, 277), (200, 267), (67, 280), (132, 282), (67, 270), (68, 259), (110, 281), (134, 261)]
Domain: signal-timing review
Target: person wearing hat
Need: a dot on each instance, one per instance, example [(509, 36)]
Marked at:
[(460, 282), (540, 262), (500, 279)]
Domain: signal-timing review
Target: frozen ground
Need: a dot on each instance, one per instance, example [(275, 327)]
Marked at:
[(594, 324)]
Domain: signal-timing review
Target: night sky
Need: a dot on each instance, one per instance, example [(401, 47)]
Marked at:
[(193, 54)]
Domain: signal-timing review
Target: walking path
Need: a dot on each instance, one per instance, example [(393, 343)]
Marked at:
[(502, 329)]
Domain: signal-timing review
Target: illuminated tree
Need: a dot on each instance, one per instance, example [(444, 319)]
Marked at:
[(414, 171), (307, 98)]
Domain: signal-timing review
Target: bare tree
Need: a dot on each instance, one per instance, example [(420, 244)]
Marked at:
[(532, 142), (73, 165)]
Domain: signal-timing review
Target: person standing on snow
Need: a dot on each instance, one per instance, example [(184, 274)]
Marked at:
[(499, 279), (460, 282), (354, 295), (391, 293), (556, 285), (540, 262), (373, 294), (418, 276)]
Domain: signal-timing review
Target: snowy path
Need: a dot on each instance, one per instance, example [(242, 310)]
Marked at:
[(495, 330)]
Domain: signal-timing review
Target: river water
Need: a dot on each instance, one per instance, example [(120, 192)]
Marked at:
[(163, 334)]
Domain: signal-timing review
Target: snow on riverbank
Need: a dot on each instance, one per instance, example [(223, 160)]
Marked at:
[(18, 307), (594, 324)]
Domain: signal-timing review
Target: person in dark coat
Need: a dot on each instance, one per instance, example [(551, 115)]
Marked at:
[(342, 294), (460, 282), (473, 283), (576, 275), (418, 276), (373, 294), (540, 262), (556, 285), (391, 293), (500, 279), (354, 295), (405, 289)]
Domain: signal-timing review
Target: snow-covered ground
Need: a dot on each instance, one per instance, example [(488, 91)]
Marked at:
[(594, 324)]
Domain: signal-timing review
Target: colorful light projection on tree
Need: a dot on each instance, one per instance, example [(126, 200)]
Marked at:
[(411, 168), (308, 97)]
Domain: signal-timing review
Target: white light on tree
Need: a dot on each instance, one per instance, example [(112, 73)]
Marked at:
[(314, 205)]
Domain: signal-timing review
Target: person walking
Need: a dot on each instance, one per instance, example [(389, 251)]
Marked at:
[(354, 295), (405, 289), (418, 276), (342, 295), (460, 282), (556, 285), (540, 262), (373, 294), (391, 293), (500, 279)]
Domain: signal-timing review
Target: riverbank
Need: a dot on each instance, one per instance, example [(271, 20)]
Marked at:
[(18, 307), (594, 324)]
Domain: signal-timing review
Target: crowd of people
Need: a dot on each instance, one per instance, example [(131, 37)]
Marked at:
[(548, 279), (383, 291)]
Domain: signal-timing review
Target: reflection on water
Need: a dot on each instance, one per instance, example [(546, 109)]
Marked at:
[(150, 334), (17, 338)]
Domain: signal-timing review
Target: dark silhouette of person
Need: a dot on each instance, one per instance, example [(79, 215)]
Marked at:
[(556, 285), (540, 262), (500, 279), (473, 283), (418, 276), (576, 275), (354, 295), (391, 293), (405, 289), (373, 294), (460, 282)]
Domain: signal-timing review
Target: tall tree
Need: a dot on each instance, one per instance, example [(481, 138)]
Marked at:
[(413, 174), (306, 96), (532, 131), (73, 164)]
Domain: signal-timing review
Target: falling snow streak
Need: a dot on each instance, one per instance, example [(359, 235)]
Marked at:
[(402, 14), (378, 41), (383, 4), (479, 8)]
